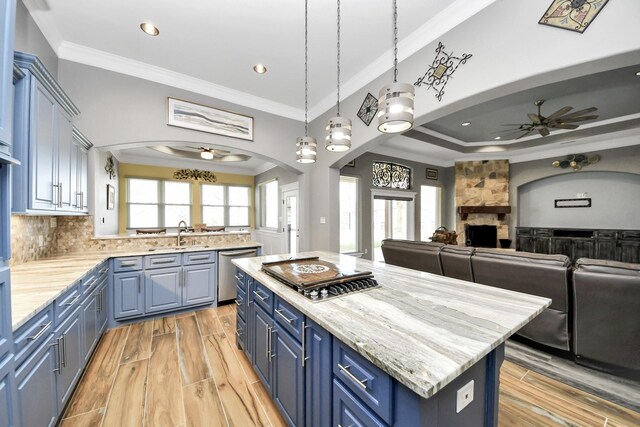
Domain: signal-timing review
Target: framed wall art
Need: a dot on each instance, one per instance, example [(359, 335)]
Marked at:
[(193, 116), (432, 173), (111, 197)]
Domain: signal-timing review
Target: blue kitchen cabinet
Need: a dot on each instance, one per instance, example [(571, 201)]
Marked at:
[(69, 338), (102, 316), (199, 284), (249, 308), (44, 187), (7, 24), (162, 289), (8, 413), (261, 342), (348, 410), (36, 385), (6, 334), (288, 376), (90, 324), (318, 376), (128, 298)]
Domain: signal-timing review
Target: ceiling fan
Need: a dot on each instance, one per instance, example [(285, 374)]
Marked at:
[(206, 153), (210, 153), (561, 119)]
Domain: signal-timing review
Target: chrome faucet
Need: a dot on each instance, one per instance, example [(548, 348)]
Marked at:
[(182, 224)]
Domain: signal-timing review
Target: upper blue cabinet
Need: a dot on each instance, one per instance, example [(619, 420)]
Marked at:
[(53, 154), (7, 23)]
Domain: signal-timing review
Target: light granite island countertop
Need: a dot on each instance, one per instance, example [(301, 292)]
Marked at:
[(36, 284), (422, 329)]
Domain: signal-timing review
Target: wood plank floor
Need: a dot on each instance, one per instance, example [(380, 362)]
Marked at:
[(186, 371)]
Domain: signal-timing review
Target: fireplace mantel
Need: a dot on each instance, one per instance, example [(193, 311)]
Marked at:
[(501, 211)]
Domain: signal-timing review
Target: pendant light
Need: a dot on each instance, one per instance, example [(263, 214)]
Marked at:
[(306, 145), (338, 128), (395, 101)]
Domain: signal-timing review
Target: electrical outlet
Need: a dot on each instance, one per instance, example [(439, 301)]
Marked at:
[(53, 222), (40, 240), (464, 396)]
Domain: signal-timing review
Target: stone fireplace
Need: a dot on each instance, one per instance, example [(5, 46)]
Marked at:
[(482, 183)]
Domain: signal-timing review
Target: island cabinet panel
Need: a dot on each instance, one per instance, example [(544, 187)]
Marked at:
[(102, 315), (630, 252), (288, 376), (36, 386), (348, 410), (162, 289), (8, 394), (199, 284), (288, 318), (6, 340), (69, 337), (241, 334), (128, 298), (7, 25), (89, 325), (318, 376), (250, 307), (261, 340)]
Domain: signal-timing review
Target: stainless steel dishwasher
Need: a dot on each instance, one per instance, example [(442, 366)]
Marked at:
[(227, 272)]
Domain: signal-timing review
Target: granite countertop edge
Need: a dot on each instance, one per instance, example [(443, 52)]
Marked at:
[(38, 269), (422, 386)]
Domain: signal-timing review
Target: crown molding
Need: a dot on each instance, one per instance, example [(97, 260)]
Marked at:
[(119, 64)]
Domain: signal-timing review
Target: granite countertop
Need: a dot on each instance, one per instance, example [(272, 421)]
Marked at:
[(422, 329), (171, 235), (35, 284)]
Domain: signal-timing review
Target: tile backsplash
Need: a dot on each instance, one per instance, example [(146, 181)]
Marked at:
[(35, 237)]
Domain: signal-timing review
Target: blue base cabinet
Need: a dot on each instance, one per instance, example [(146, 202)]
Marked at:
[(6, 334), (198, 284), (261, 340), (288, 377), (127, 294), (162, 289), (69, 338), (318, 375), (8, 413)]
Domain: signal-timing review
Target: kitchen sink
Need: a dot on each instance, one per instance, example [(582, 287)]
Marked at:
[(177, 248)]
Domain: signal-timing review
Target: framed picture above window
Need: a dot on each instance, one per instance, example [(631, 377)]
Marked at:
[(193, 116)]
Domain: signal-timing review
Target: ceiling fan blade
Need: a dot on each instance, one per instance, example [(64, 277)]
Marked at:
[(565, 126), (508, 131), (516, 124), (580, 113), (543, 131), (559, 113), (525, 134), (576, 119), (535, 118)]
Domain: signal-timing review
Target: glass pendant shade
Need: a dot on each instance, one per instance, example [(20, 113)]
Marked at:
[(395, 107), (338, 134), (306, 149)]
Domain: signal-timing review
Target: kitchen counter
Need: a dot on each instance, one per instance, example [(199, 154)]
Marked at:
[(422, 329), (35, 284)]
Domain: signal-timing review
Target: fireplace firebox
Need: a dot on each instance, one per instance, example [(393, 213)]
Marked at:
[(481, 236)]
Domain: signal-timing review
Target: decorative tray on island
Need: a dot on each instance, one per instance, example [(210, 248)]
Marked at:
[(317, 279)]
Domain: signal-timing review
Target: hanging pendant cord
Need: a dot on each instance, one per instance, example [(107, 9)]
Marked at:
[(395, 41), (306, 60), (338, 104)]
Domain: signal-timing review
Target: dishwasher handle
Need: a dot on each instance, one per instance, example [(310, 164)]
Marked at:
[(237, 253)]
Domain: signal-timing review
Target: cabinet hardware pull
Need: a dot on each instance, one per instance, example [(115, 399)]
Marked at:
[(57, 344), (73, 301), (55, 195), (238, 302), (267, 340), (128, 263), (104, 270), (64, 351), (260, 296), (200, 258), (138, 282), (163, 261), (238, 333), (43, 329), (60, 196), (238, 277), (82, 200), (345, 369), (89, 284), (273, 353), (285, 317), (304, 344)]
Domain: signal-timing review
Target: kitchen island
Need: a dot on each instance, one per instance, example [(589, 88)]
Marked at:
[(439, 342)]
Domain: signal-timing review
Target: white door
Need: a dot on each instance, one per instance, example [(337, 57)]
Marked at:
[(392, 217), (291, 219)]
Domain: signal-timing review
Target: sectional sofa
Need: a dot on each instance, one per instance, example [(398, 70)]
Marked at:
[(594, 315)]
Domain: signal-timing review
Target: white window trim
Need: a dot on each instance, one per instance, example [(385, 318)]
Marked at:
[(411, 215), (226, 205), (161, 202), (358, 249), (261, 204)]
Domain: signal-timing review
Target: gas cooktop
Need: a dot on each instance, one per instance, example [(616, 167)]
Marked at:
[(317, 279)]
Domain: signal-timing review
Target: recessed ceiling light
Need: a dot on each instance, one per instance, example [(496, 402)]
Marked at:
[(465, 124), (259, 68), (149, 28), (497, 137), (637, 73)]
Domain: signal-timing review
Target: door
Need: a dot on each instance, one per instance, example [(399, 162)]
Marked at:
[(582, 248), (391, 220), (6, 334), (630, 252), (44, 163), (7, 24), (90, 324), (162, 289), (199, 284), (83, 177), (288, 377), (67, 161), (8, 395), (127, 294), (71, 357), (261, 337), (291, 216), (318, 375), (607, 249), (36, 384), (102, 308)]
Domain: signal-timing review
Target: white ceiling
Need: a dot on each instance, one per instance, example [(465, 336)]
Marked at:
[(211, 47)]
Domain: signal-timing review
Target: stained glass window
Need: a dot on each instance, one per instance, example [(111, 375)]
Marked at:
[(391, 175)]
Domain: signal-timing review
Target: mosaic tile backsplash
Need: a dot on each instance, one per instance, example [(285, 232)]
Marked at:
[(66, 234)]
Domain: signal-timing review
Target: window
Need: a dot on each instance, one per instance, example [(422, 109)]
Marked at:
[(349, 213), (225, 205), (429, 210), (269, 201), (157, 203)]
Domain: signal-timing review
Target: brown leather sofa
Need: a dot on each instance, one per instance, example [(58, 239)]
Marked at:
[(456, 262), (606, 315), (422, 256), (537, 274)]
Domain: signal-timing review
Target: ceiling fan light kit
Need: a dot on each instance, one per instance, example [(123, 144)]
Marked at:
[(395, 101), (206, 154)]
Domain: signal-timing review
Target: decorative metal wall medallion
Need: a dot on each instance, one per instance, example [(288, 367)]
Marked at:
[(368, 109), (195, 174), (110, 168), (574, 15), (441, 70), (391, 175)]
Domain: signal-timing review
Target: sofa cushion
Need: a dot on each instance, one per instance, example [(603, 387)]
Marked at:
[(456, 262), (422, 256)]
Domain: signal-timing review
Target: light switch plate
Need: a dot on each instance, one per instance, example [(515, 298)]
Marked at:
[(323, 220), (464, 396)]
